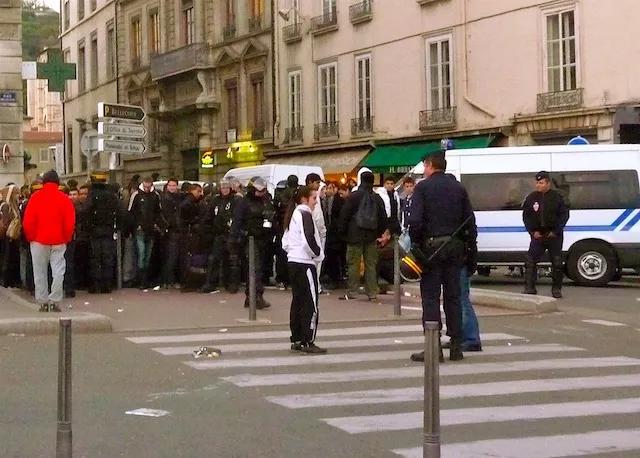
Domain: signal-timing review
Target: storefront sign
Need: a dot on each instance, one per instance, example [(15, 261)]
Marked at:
[(206, 161), (400, 169)]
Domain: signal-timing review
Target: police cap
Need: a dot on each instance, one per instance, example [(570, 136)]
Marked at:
[(542, 175), (99, 177)]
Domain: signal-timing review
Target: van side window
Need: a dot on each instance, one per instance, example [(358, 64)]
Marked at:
[(603, 190)]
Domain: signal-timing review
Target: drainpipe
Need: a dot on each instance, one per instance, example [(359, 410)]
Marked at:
[(64, 99), (115, 32), (274, 77), (467, 98)]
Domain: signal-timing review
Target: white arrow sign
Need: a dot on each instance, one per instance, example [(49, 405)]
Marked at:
[(122, 130), (122, 147)]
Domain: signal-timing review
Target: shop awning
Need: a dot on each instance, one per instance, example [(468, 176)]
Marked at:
[(400, 158), (331, 163)]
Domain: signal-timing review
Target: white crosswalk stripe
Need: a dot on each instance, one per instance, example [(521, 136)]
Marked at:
[(366, 385)]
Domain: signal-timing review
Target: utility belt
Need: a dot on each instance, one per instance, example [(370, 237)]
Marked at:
[(437, 241)]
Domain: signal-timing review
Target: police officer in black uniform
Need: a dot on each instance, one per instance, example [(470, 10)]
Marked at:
[(545, 214), (441, 215), (217, 218), (101, 213), (253, 216)]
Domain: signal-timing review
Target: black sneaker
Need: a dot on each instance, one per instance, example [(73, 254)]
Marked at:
[(44, 308), (419, 357), (54, 308), (312, 349), (556, 294), (296, 346), (262, 305)]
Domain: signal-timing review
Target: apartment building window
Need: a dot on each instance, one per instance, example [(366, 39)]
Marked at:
[(561, 59), (82, 71), (328, 6), (327, 101), (69, 147), (80, 10), (439, 73), (93, 4), (94, 59), (67, 14), (257, 104), (44, 155), (188, 22), (295, 99), (230, 12), (83, 158), (111, 50), (231, 95), (154, 32), (363, 87), (136, 42), (256, 8)]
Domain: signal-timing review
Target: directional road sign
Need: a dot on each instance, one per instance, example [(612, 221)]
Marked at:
[(89, 143), (123, 112), (122, 130), (121, 146)]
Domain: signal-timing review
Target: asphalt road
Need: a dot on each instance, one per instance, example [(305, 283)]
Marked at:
[(551, 385)]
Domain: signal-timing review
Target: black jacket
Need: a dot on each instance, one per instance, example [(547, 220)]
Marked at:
[(146, 210), (348, 229), (101, 211), (248, 218), (332, 222), (217, 215), (545, 212), (170, 206), (189, 214)]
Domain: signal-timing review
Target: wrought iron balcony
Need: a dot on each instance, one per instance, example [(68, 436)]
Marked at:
[(182, 60), (361, 126), (257, 132), (563, 100), (326, 130), (327, 22), (229, 32), (438, 119), (255, 23), (292, 33), (293, 134), (361, 12)]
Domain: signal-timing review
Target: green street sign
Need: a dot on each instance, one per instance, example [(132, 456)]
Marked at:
[(55, 70)]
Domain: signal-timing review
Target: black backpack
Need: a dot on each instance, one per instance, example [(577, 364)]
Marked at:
[(367, 213)]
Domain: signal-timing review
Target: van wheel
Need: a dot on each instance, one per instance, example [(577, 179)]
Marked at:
[(592, 264)]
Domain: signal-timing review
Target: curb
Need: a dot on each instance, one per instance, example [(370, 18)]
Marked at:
[(506, 300), (82, 322)]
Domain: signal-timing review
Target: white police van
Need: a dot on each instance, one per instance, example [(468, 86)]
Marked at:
[(600, 182)]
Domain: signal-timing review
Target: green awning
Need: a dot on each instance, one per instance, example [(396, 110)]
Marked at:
[(401, 158)]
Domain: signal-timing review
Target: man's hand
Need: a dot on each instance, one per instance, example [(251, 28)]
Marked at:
[(537, 235)]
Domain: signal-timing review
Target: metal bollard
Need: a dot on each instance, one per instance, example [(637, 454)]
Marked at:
[(397, 293), (431, 444), (64, 442), (119, 259), (252, 279)]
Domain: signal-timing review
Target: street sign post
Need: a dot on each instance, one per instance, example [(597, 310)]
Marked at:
[(122, 146), (122, 130), (121, 112)]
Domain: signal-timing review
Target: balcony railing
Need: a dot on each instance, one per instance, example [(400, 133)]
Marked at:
[(361, 12), (257, 132), (326, 130), (361, 126), (563, 100), (229, 32), (255, 23), (181, 60), (427, 2), (292, 33), (438, 119), (325, 23), (293, 134)]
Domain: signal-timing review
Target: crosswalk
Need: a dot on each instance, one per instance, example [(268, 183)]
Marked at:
[(514, 399)]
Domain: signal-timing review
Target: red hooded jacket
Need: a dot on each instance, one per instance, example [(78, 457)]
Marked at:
[(50, 217)]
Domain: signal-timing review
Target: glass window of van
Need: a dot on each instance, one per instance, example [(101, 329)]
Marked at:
[(583, 190)]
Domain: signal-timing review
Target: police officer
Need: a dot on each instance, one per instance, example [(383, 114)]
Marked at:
[(101, 213), (545, 214), (217, 219), (440, 214), (253, 216)]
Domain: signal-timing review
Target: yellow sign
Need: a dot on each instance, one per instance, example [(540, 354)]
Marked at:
[(207, 160)]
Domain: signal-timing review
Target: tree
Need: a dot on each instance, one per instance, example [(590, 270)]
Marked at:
[(40, 29)]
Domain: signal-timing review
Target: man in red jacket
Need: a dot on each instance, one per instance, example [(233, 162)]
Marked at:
[(48, 224)]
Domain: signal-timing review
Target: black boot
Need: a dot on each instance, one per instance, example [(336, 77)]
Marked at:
[(419, 357), (556, 278), (144, 279), (530, 278), (455, 353)]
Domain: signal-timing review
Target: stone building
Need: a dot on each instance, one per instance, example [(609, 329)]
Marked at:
[(11, 109), (379, 83), (203, 72)]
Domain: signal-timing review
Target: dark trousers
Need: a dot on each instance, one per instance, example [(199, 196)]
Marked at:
[(303, 317), (447, 276), (103, 257), (171, 259), (70, 270), (269, 253), (81, 257), (333, 264), (537, 249), (238, 250), (219, 256), (282, 268)]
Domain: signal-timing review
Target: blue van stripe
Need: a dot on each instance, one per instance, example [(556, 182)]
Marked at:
[(582, 228)]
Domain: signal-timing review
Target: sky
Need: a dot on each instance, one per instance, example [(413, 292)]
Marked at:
[(53, 4)]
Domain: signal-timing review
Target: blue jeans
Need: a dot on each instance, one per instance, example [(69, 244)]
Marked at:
[(470, 327), (144, 245)]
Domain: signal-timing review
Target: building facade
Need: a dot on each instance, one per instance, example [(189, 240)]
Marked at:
[(39, 150), (44, 108), (203, 72), (88, 39), (379, 83)]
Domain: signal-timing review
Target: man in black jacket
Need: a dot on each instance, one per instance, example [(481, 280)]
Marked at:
[(331, 207), (191, 237), (545, 214), (362, 241), (171, 201)]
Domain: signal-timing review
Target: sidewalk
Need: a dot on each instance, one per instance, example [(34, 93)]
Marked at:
[(134, 310)]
